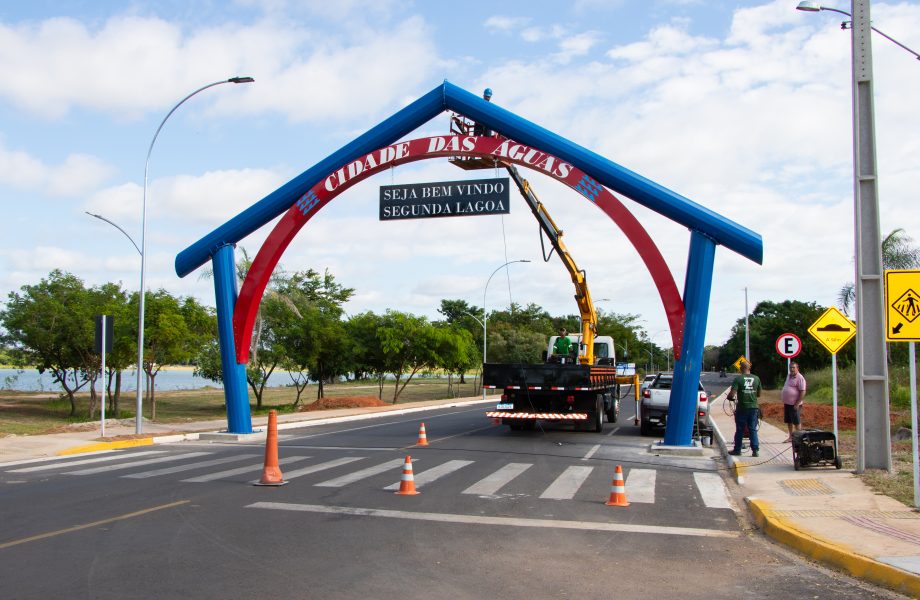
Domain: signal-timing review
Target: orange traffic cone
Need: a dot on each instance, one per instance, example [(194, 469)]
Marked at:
[(617, 490), (407, 483), (422, 436), (271, 472)]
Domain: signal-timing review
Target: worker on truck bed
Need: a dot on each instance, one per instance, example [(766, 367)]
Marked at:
[(563, 345)]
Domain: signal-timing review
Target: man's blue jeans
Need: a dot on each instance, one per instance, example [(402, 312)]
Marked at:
[(746, 416)]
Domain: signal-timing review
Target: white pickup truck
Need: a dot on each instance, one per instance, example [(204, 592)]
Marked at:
[(656, 399)]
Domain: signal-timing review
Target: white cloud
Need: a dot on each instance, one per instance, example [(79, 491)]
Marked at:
[(134, 64), (503, 23), (78, 174)]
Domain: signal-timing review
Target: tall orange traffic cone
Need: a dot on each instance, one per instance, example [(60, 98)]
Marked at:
[(422, 436), (617, 490), (271, 472), (407, 482)]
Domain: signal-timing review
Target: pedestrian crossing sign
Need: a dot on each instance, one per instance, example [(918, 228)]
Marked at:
[(902, 306), (833, 329)]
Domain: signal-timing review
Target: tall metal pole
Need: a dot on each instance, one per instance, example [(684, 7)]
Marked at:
[(138, 416), (873, 435), (485, 316)]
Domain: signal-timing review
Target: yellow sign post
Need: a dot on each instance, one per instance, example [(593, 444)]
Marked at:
[(833, 329), (902, 306), (737, 363)]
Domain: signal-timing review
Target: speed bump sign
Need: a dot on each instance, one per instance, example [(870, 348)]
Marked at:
[(902, 306), (833, 330)]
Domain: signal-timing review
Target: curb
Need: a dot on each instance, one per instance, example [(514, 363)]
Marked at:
[(830, 553), (734, 464), (181, 437)]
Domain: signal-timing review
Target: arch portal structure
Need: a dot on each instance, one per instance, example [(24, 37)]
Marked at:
[(518, 141)]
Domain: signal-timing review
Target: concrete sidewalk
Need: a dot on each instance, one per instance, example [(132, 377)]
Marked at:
[(826, 514), (121, 434)]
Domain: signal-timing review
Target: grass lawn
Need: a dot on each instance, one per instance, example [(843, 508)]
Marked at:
[(29, 413)]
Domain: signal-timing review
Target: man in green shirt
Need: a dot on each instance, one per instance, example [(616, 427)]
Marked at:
[(563, 345), (746, 390)]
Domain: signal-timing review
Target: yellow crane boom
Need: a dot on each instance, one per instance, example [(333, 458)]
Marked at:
[(579, 278)]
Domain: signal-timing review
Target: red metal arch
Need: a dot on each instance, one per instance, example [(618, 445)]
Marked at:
[(500, 149)]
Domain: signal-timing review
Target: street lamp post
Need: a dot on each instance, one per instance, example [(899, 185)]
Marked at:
[(873, 435), (485, 316), (138, 417)]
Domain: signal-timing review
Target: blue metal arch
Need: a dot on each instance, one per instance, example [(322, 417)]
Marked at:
[(707, 230)]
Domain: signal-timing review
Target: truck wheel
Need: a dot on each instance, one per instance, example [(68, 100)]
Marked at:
[(614, 413)]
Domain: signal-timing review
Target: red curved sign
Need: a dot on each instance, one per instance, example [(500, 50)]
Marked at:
[(500, 149)]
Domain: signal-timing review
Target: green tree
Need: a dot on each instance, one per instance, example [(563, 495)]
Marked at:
[(455, 352), (368, 355), (49, 326)]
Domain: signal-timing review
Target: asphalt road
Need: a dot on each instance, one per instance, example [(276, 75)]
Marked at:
[(499, 514)]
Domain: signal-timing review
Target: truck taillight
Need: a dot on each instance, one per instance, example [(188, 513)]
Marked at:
[(702, 414), (646, 393), (703, 397), (504, 397), (570, 399)]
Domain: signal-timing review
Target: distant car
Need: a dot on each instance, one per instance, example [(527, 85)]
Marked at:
[(647, 382), (656, 398)]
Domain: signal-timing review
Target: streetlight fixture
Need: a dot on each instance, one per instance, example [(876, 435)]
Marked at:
[(872, 413), (138, 417), (485, 317), (115, 225), (816, 7)]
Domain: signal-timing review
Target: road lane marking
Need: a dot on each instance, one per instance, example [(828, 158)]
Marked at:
[(640, 486), (240, 470), (591, 452), (712, 489), (434, 473), (497, 480), (566, 485), (615, 429), (49, 534), (44, 459), (189, 467), (136, 463), (492, 521), (322, 466), (85, 461), (441, 439), (414, 420), (363, 474), (341, 448)]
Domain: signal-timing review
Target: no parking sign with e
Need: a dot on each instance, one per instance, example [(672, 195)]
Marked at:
[(788, 345)]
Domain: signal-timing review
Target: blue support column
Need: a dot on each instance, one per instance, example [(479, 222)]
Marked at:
[(223, 264), (685, 387)]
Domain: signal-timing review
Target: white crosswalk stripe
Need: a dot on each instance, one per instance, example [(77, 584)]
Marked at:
[(640, 486), (488, 486), (322, 466), (566, 485), (712, 489), (240, 470), (86, 461), (136, 463), (363, 474), (434, 473), (189, 467)]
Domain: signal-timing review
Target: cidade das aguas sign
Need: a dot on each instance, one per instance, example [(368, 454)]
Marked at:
[(445, 199)]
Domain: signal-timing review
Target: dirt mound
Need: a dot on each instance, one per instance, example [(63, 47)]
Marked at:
[(344, 402), (816, 416)]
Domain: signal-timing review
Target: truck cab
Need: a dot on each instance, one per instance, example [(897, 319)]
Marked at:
[(604, 350)]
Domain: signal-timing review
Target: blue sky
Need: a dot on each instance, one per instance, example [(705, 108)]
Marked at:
[(741, 106)]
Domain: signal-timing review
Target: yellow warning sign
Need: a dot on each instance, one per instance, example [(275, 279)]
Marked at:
[(902, 302), (737, 363), (833, 329)]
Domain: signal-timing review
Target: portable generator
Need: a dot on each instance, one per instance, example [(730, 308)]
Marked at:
[(814, 448)]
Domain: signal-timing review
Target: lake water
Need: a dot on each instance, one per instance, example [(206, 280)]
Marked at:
[(30, 380)]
